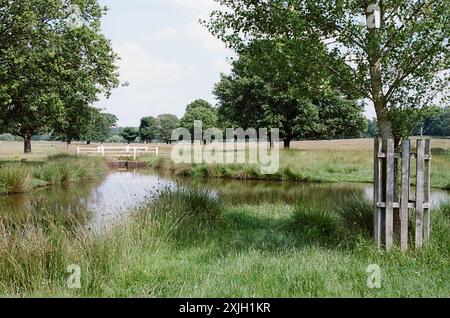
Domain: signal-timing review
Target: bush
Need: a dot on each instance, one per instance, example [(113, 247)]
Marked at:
[(14, 178)]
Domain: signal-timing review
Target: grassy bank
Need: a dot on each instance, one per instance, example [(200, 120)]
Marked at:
[(18, 177), (188, 243), (314, 165)]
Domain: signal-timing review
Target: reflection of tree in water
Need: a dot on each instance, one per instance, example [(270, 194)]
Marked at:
[(61, 205)]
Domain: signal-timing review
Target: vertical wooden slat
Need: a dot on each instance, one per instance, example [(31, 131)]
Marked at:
[(419, 192), (377, 193), (427, 189), (405, 195), (390, 177)]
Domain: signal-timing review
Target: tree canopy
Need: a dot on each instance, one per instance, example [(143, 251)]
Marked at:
[(399, 61), (130, 134), (54, 64), (202, 111)]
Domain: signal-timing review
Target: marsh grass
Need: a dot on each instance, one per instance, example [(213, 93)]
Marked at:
[(14, 179), (60, 169)]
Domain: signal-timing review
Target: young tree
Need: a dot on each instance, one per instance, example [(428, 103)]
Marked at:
[(399, 61), (54, 63), (130, 134)]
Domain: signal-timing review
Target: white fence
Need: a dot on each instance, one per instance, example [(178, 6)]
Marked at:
[(114, 151)]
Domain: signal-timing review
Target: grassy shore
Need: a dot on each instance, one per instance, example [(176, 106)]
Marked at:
[(321, 161), (188, 243), (19, 177)]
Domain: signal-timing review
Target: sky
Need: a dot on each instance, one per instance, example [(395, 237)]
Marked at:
[(168, 58)]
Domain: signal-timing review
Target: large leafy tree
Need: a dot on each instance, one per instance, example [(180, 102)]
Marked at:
[(130, 134), (99, 126), (167, 124), (263, 94), (199, 110), (439, 125), (399, 62), (54, 63), (148, 129)]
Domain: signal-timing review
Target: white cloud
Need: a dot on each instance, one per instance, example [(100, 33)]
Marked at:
[(166, 33), (222, 65), (137, 66), (197, 32), (203, 5)]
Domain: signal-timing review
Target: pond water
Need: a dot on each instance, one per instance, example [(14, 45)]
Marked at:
[(100, 203)]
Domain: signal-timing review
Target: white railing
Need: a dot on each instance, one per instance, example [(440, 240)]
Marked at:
[(116, 151)]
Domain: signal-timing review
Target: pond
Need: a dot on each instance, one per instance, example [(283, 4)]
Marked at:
[(99, 204)]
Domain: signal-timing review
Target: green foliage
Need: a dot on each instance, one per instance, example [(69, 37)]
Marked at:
[(167, 124), (117, 139), (438, 125), (202, 111), (261, 93), (403, 70), (130, 134), (51, 72), (148, 129), (372, 128), (99, 126)]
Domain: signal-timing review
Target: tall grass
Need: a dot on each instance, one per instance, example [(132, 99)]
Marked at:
[(14, 179), (21, 177), (257, 251)]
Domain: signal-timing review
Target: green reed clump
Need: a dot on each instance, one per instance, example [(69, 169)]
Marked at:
[(14, 178), (65, 169), (180, 210)]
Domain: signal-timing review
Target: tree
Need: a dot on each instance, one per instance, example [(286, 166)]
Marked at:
[(130, 134), (54, 63), (148, 129), (399, 62), (372, 128), (255, 96), (99, 127), (438, 126), (202, 111), (167, 124)]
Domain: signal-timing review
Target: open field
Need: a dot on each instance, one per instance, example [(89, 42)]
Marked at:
[(188, 244), (319, 161)]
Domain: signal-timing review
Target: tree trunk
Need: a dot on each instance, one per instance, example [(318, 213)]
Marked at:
[(287, 143), (68, 143), (27, 143)]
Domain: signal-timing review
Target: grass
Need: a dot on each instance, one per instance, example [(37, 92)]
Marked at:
[(341, 161), (21, 177), (187, 243)]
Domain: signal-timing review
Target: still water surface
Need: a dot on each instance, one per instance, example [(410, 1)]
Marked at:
[(102, 202)]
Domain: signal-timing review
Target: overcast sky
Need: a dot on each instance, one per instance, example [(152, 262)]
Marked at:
[(168, 58)]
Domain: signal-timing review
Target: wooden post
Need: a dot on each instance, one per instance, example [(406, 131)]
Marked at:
[(377, 192), (404, 209), (427, 189), (134, 153), (419, 192), (78, 151), (390, 175)]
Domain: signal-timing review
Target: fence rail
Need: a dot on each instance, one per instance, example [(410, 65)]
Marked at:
[(116, 151), (393, 193)]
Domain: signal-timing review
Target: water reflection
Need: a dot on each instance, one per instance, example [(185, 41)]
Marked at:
[(99, 204)]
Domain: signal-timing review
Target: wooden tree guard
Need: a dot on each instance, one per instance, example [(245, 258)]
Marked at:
[(386, 199)]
